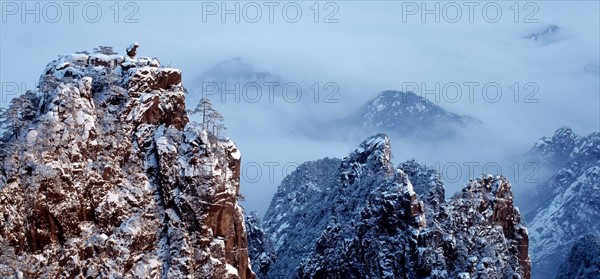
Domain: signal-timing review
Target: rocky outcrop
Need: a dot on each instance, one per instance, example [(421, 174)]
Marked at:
[(427, 183), (367, 219), (583, 261), (110, 180), (476, 234), (132, 49)]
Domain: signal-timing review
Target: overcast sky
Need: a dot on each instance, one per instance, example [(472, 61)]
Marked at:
[(365, 47)]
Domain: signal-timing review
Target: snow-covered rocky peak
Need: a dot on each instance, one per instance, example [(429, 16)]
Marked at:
[(372, 156), (106, 178), (289, 222), (370, 220), (156, 92), (559, 148), (381, 110), (590, 146), (489, 187)]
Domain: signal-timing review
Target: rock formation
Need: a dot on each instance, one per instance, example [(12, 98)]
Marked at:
[(110, 180), (363, 218), (132, 50)]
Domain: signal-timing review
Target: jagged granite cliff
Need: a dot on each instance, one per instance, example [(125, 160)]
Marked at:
[(108, 179), (363, 218), (567, 205)]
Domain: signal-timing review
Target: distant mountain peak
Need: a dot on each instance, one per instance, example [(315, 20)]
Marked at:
[(232, 66), (233, 74), (408, 114), (406, 103), (236, 69), (546, 36)]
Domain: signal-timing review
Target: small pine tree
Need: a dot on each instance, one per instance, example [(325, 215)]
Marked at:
[(212, 120), (205, 108), (20, 112), (106, 50), (220, 128), (2, 140), (216, 121), (241, 197), (3, 120)]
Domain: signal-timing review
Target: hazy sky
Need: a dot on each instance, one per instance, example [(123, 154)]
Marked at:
[(364, 47)]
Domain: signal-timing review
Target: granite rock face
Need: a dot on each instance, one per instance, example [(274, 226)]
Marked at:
[(110, 180)]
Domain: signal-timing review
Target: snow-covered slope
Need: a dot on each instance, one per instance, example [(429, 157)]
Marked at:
[(568, 203), (109, 180), (363, 218)]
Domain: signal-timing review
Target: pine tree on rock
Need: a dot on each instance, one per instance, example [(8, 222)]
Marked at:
[(216, 120), (212, 120), (2, 122), (204, 107), (106, 50), (18, 114), (220, 127)]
